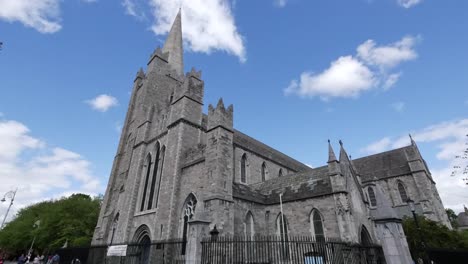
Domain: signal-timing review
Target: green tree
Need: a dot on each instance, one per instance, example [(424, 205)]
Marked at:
[(452, 217), (71, 219), (435, 235)]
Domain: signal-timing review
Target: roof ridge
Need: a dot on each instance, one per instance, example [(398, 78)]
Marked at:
[(383, 153), (279, 153)]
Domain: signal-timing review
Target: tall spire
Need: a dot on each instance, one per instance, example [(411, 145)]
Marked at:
[(174, 45)]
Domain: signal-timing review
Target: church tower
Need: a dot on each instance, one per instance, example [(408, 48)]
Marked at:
[(147, 189)]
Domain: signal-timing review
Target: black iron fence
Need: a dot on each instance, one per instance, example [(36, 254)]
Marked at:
[(300, 250), (452, 256), (167, 252), (231, 250)]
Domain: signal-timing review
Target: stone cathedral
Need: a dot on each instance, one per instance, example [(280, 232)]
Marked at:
[(179, 172)]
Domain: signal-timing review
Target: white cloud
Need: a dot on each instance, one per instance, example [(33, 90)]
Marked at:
[(390, 80), (103, 102), (207, 25), (37, 170), (42, 15), (280, 3), (387, 56), (346, 77), (349, 76), (134, 8), (377, 147), (408, 3), (398, 106), (450, 140)]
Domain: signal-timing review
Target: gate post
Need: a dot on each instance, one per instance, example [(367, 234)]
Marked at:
[(197, 230)]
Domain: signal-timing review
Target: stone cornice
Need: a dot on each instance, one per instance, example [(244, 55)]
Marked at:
[(187, 122)]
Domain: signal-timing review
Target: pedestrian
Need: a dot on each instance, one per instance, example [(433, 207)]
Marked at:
[(21, 259), (56, 259), (76, 261), (36, 260)]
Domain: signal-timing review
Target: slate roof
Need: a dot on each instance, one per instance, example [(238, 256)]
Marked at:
[(315, 182), (383, 165), (261, 149), (308, 184)]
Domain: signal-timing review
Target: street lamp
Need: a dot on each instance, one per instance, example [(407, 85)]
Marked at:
[(10, 195), (413, 210)]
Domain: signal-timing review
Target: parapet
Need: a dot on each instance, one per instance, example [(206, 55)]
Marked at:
[(220, 116), (194, 73)]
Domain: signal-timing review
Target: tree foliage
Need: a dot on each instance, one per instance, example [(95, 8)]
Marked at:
[(435, 235), (452, 217), (71, 219)]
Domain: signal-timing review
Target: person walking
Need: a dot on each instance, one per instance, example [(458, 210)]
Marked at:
[(56, 259), (21, 259)]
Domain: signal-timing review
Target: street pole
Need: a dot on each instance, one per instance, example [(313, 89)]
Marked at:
[(282, 217), (9, 207), (418, 227)]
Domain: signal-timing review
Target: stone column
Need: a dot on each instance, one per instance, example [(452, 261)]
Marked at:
[(197, 230)]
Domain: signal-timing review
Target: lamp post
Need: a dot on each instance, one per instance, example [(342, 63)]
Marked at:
[(10, 195), (423, 243)]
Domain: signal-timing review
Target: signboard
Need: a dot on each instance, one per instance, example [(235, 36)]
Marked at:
[(119, 251)]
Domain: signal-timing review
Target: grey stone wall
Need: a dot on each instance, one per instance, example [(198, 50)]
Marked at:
[(297, 216), (254, 167)]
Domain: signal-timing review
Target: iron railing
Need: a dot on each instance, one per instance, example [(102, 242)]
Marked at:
[(167, 252), (275, 249)]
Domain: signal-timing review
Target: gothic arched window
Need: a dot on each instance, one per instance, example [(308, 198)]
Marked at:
[(372, 200), (115, 222), (263, 171), (402, 190), (147, 173), (282, 231), (280, 173), (163, 155), (282, 226), (317, 225), (366, 239), (188, 213), (153, 180), (244, 168), (249, 225)]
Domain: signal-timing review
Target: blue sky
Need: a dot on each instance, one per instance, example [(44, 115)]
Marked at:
[(298, 73)]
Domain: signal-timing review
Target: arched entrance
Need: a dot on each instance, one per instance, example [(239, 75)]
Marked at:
[(142, 247), (145, 245)]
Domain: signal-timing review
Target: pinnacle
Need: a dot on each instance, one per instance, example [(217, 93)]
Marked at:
[(343, 154), (331, 153), (220, 103)]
